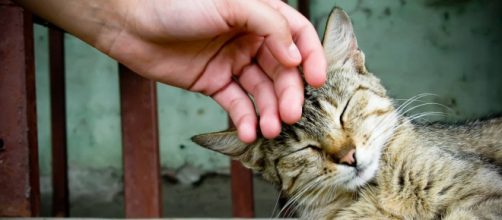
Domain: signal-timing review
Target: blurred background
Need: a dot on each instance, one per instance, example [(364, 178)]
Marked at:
[(449, 48)]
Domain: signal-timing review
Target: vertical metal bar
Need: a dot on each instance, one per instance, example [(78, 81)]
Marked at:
[(60, 198), (304, 8), (242, 189), (138, 101), (19, 177)]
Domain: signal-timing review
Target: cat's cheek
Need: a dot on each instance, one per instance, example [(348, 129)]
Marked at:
[(362, 177), (370, 172), (345, 176), (367, 169), (366, 156)]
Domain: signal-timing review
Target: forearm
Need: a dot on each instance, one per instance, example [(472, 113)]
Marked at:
[(96, 22)]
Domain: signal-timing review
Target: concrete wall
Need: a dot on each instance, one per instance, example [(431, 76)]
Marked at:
[(94, 139), (452, 49)]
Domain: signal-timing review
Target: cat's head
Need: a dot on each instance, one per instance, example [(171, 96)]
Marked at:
[(339, 139)]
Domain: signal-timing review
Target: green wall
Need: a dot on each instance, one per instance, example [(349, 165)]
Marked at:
[(449, 48), (94, 138)]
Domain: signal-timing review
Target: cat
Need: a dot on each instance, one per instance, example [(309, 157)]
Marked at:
[(353, 155)]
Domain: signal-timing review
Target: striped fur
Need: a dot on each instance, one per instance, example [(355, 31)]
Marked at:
[(404, 170)]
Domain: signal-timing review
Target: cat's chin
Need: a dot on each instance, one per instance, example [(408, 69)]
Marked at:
[(361, 175)]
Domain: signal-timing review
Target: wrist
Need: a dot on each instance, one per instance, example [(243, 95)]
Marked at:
[(97, 22), (109, 19)]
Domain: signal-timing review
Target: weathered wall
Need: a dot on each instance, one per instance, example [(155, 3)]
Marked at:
[(452, 49), (94, 139)]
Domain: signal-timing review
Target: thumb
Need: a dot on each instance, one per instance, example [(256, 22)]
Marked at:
[(261, 19)]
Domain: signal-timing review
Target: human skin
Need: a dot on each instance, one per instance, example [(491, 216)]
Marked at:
[(226, 49)]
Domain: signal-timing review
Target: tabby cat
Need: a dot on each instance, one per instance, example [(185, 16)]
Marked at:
[(353, 155)]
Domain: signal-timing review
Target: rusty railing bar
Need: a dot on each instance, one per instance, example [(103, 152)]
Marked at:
[(60, 198), (242, 191), (142, 181), (19, 174), (241, 180)]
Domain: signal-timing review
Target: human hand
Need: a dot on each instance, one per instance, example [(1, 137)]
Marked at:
[(225, 49)]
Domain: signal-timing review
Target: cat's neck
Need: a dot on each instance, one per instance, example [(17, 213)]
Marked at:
[(338, 200), (402, 136)]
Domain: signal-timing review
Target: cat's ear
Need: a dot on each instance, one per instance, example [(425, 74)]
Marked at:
[(228, 143), (340, 43)]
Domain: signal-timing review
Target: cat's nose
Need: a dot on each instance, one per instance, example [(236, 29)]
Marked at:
[(349, 158)]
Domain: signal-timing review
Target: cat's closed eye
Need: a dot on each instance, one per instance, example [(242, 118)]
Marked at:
[(343, 113), (314, 147)]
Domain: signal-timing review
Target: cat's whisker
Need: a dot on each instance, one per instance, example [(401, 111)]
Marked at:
[(307, 186), (316, 200), (422, 115), (392, 138), (382, 131), (379, 135), (381, 122), (385, 121), (409, 101), (315, 197), (286, 207), (411, 118), (404, 105), (276, 204), (299, 193), (413, 99), (332, 188), (300, 200), (421, 105)]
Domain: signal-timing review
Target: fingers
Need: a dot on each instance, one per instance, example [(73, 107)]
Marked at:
[(254, 81), (314, 60), (236, 58), (279, 31), (288, 86), (258, 18), (276, 84), (216, 81), (307, 41), (230, 60), (233, 99)]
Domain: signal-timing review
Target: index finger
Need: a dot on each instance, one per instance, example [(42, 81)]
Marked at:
[(268, 23), (306, 39)]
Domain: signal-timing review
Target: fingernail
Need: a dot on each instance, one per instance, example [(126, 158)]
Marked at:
[(246, 133), (270, 126), (294, 53), (291, 112)]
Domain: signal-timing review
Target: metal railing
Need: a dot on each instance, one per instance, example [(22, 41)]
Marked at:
[(19, 172)]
